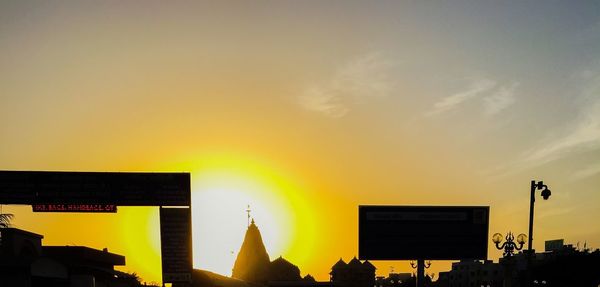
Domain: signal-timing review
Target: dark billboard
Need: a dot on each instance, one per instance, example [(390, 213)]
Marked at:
[(101, 188), (423, 232)]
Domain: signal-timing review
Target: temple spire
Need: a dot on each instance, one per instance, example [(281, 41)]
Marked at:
[(248, 211), (252, 262)]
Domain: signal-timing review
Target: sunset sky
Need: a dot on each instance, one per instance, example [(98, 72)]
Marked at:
[(304, 110)]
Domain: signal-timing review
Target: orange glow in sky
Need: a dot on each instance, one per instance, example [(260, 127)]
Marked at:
[(305, 110)]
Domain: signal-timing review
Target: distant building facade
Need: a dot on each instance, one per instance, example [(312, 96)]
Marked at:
[(353, 273), (25, 262), (563, 266), (469, 273), (395, 280)]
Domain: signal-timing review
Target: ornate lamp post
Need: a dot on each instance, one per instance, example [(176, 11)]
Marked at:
[(509, 247), (413, 264)]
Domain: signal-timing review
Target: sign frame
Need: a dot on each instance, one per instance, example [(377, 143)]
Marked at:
[(57, 190), (410, 232)]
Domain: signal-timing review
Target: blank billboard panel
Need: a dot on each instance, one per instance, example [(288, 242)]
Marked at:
[(423, 232)]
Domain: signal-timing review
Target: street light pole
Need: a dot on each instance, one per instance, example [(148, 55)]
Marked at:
[(545, 194), (531, 206)]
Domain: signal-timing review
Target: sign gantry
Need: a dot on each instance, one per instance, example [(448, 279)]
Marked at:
[(59, 191)]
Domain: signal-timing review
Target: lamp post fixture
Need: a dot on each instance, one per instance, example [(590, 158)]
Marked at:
[(509, 245), (545, 194), (427, 264)]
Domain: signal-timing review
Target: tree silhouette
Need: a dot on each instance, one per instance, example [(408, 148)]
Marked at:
[(5, 218)]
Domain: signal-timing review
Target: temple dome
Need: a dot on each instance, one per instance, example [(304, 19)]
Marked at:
[(283, 270)]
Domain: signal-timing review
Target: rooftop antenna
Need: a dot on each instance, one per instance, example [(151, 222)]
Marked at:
[(248, 211)]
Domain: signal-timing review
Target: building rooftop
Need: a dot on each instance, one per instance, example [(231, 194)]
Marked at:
[(82, 253)]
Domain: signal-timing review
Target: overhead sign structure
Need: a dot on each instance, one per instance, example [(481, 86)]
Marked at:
[(423, 232), (176, 244), (52, 191), (118, 188)]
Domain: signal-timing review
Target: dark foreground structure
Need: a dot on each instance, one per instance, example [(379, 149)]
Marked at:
[(563, 267), (25, 262)]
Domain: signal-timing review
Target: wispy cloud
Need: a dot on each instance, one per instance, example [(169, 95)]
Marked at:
[(503, 98), (495, 97), (585, 132), (358, 80), (586, 172), (555, 212), (476, 88), (582, 136)]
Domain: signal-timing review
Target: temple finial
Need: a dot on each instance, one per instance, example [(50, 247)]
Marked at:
[(248, 211)]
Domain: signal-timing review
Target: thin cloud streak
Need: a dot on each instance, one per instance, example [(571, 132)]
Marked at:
[(586, 172), (475, 89), (495, 98), (503, 98), (584, 136), (359, 80)]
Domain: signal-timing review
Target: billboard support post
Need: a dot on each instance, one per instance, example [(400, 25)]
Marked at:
[(422, 232), (420, 272)]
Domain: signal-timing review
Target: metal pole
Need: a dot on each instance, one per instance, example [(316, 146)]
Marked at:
[(420, 272), (508, 272), (530, 239), (531, 203)]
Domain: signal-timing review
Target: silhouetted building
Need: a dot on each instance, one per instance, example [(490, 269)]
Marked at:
[(302, 283), (24, 262), (468, 273), (564, 266), (18, 250), (353, 274), (394, 280), (282, 270), (252, 262), (307, 281), (253, 265)]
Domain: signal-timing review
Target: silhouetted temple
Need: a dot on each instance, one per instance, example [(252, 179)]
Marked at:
[(353, 274), (253, 265)]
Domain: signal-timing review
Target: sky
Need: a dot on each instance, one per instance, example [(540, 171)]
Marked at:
[(304, 110)]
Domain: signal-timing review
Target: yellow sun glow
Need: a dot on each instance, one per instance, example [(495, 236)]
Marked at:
[(222, 188)]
